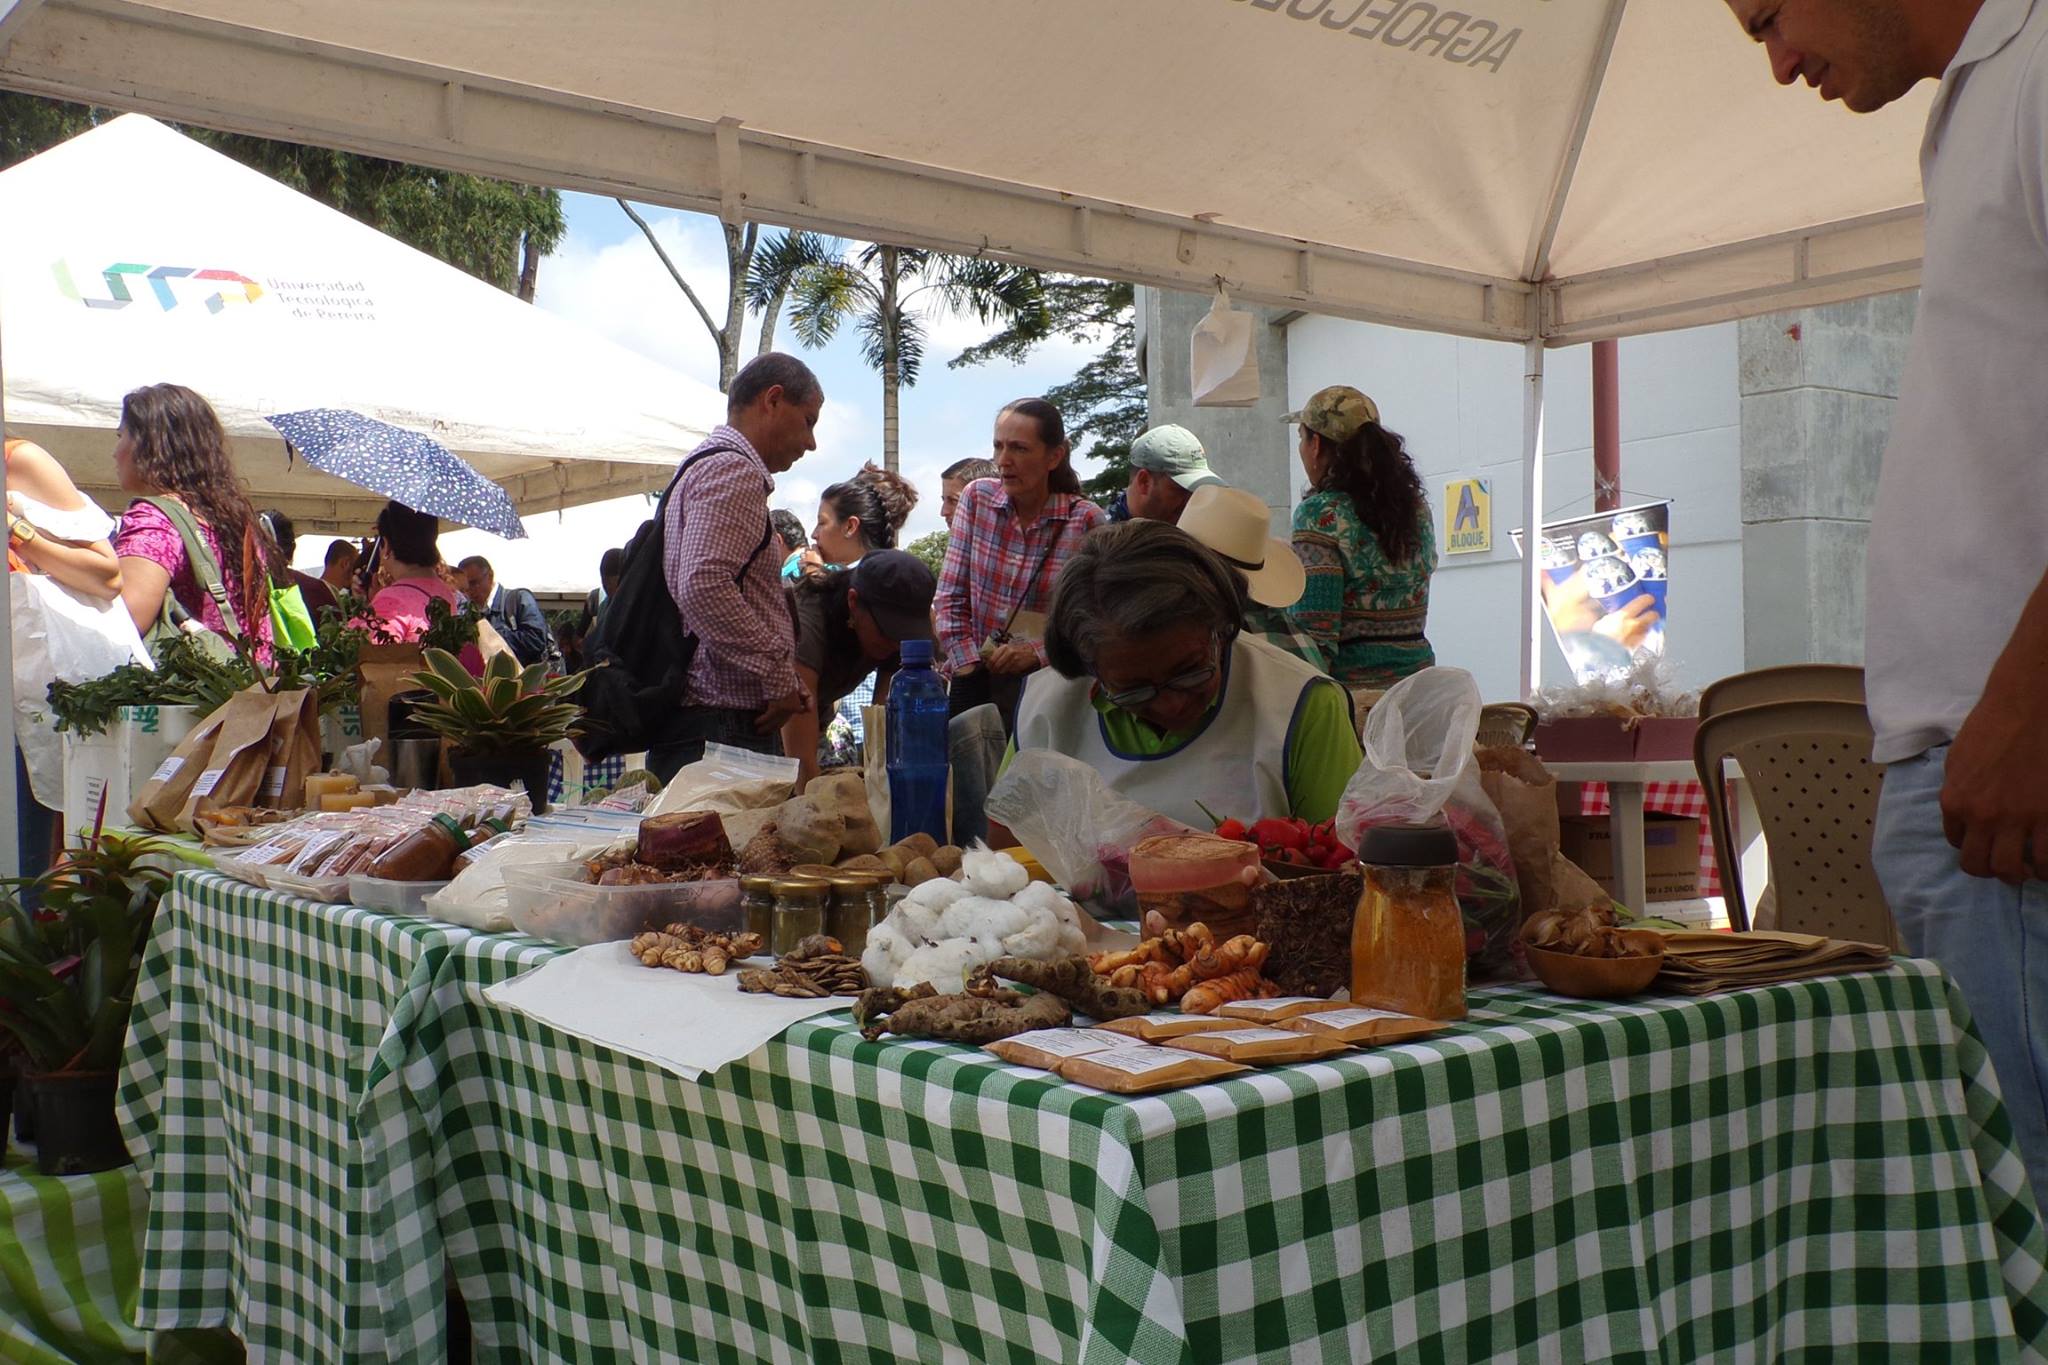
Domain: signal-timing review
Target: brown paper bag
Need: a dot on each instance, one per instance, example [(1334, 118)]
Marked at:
[(384, 670), (1525, 794)]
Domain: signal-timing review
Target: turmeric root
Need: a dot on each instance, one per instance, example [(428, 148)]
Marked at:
[(1072, 980), (1218, 991), (972, 1018)]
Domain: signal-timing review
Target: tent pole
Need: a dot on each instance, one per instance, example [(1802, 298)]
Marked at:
[(10, 828), (1532, 515)]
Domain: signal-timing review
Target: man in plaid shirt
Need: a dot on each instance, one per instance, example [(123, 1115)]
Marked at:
[(727, 586)]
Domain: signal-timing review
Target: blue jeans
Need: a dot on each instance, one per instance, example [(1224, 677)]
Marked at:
[(1992, 938)]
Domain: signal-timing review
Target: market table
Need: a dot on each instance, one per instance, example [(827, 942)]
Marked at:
[(1819, 1168)]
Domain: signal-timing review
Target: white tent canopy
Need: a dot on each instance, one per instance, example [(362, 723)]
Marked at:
[(1511, 168), (135, 255)]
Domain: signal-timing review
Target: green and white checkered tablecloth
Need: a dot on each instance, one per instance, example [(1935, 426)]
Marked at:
[(1820, 1170)]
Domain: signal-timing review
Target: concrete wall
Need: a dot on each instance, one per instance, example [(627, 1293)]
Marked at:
[(1247, 446), (1458, 404), (1818, 389)]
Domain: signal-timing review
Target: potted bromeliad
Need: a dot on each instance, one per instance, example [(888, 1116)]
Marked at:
[(67, 982), (499, 726)]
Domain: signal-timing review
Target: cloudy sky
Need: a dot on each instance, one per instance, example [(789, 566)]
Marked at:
[(606, 277)]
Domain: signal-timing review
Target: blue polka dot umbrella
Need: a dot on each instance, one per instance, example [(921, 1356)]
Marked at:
[(413, 469)]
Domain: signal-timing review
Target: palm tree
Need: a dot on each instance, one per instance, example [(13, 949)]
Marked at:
[(877, 287)]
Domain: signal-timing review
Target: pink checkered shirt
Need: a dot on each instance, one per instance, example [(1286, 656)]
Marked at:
[(992, 563), (746, 642)]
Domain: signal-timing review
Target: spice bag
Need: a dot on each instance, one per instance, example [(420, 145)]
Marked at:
[(256, 749), (1079, 830), (1419, 766)]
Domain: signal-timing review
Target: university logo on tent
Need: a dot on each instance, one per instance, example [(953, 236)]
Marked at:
[(236, 287)]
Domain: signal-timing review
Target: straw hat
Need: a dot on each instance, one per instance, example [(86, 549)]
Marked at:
[(1234, 523)]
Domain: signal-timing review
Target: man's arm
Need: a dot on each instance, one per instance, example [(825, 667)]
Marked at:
[(1994, 803)]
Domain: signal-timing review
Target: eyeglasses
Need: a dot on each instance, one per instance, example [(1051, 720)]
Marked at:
[(1194, 680)]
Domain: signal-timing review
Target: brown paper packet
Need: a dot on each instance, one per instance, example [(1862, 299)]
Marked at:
[(1525, 794), (384, 670), (1153, 1028), (1363, 1027), (1046, 1048), (1261, 1046), (1140, 1069), (1275, 1010), (162, 798)]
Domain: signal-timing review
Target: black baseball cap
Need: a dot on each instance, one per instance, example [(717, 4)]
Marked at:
[(897, 590)]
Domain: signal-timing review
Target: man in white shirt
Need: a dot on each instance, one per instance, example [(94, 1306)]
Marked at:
[(1957, 635)]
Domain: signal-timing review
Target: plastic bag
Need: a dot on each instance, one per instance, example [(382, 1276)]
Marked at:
[(1419, 765), (1079, 830)]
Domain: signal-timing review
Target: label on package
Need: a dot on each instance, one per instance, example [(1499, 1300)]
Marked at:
[(1335, 1019), (208, 780), (1138, 1061), (1070, 1042), (167, 770), (273, 781)]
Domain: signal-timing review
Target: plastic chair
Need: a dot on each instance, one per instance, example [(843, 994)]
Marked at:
[(1792, 682), (1506, 725), (1809, 769)]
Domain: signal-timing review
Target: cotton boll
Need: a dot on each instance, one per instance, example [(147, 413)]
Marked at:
[(917, 923), (885, 952), (1040, 937), (995, 875), (945, 965), (938, 893)]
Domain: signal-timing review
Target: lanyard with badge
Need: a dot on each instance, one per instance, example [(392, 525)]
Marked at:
[(1021, 624)]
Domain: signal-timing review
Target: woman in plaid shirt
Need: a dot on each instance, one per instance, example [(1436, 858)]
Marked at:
[(1007, 542)]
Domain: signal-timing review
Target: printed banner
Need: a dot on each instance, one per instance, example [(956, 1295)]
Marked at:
[(1605, 579), (1468, 517)]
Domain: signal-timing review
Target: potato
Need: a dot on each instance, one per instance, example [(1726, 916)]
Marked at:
[(919, 845), (919, 872), (947, 859)]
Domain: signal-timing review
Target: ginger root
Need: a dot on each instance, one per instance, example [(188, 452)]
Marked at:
[(1072, 980), (1221, 990), (972, 1018)]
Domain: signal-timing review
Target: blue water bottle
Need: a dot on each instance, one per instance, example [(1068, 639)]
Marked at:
[(918, 751)]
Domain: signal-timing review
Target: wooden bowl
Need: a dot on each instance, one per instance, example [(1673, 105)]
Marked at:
[(1594, 978)]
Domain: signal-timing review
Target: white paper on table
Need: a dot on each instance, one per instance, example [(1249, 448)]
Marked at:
[(683, 1022)]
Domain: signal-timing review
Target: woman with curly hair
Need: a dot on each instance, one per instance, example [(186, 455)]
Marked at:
[(172, 454), (861, 514), (1365, 535)]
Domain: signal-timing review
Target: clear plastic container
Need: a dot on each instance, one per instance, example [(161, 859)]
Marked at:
[(395, 898), (579, 913)]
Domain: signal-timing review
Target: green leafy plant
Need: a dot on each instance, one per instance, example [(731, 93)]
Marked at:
[(67, 974), (510, 710)]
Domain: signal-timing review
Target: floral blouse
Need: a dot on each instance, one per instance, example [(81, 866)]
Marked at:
[(1366, 615)]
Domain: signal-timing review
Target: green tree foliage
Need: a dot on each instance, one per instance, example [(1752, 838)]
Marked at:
[(1104, 403), (493, 229), (931, 548), (878, 289)]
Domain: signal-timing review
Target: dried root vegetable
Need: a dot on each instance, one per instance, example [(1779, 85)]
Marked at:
[(1072, 980), (1216, 992), (970, 1017), (686, 948)]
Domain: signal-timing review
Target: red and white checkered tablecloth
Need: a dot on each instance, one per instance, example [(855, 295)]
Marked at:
[(1668, 798)]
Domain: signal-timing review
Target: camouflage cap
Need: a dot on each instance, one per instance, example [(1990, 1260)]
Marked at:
[(1336, 413)]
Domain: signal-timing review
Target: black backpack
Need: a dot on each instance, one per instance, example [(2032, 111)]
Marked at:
[(638, 651)]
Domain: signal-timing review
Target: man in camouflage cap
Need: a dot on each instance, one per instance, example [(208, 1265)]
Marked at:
[(1336, 413)]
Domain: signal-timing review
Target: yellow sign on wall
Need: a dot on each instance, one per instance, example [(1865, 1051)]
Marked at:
[(1468, 517)]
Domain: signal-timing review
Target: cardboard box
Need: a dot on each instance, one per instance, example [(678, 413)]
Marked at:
[(1604, 739), (1671, 853)]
